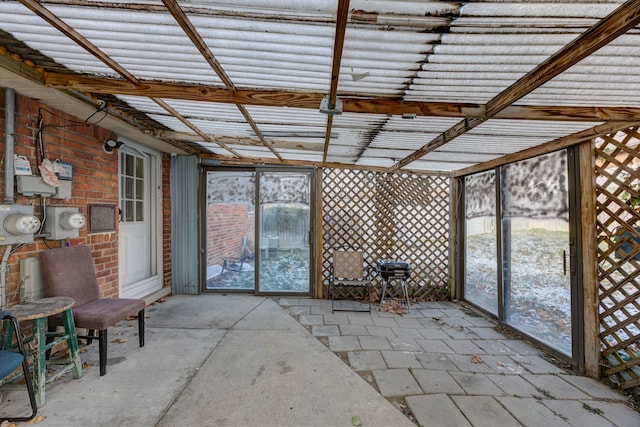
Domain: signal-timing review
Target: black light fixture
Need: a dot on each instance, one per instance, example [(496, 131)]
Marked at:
[(111, 144)]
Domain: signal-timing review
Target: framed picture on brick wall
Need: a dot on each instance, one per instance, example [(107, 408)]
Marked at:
[(102, 218)]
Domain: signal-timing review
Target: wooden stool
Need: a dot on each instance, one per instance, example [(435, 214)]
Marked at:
[(37, 311)]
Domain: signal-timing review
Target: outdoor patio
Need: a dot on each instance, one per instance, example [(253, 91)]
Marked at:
[(240, 360)]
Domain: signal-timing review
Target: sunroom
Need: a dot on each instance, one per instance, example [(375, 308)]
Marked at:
[(493, 146)]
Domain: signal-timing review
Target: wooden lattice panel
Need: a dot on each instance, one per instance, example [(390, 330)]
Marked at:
[(389, 216), (618, 233)]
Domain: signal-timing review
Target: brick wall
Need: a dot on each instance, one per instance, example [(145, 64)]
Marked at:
[(226, 225), (95, 181)]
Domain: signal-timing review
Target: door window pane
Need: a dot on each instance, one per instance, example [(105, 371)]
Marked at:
[(481, 260), (536, 264), (230, 226), (284, 232), (132, 197)]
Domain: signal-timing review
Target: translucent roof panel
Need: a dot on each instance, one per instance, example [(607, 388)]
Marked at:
[(491, 45), (242, 73), (265, 53)]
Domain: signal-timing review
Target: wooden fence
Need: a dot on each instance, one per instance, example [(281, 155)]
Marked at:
[(389, 216), (618, 234)]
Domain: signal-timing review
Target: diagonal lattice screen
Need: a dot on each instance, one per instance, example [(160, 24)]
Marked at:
[(389, 216), (618, 232)]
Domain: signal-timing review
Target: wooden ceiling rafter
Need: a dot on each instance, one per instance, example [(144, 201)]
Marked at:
[(338, 44), (311, 100), (618, 22), (241, 140), (185, 23)]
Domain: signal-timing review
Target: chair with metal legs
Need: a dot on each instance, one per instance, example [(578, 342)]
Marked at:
[(10, 360)]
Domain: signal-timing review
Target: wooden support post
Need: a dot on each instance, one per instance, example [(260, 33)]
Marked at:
[(454, 233), (591, 325), (318, 246)]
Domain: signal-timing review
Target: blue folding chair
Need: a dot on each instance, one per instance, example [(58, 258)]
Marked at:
[(10, 360)]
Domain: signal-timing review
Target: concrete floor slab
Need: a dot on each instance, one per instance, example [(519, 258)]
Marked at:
[(434, 334), (515, 385), (470, 363), (277, 377), (387, 322), (495, 347), (503, 365), (184, 311), (336, 319), (311, 319), (434, 346), (618, 413), (352, 329), (436, 382), (435, 361), (243, 360), (401, 359), (325, 331), (487, 333), (139, 384), (484, 411), (374, 343), (502, 369), (555, 387), (532, 412), (521, 348), (537, 365), (576, 413), (380, 331), (593, 388), (344, 343), (463, 346), (366, 360), (408, 333), (476, 384), (404, 344), (396, 382), (436, 410)]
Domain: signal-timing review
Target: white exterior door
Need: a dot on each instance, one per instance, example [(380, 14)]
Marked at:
[(139, 253)]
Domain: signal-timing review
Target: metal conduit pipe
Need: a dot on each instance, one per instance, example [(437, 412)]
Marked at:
[(9, 122), (9, 195)]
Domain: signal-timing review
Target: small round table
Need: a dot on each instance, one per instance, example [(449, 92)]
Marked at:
[(38, 311)]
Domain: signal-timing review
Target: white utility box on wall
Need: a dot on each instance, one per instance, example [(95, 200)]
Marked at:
[(63, 222), (17, 224)]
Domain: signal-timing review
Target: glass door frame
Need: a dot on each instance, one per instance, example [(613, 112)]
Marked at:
[(575, 250), (312, 172)]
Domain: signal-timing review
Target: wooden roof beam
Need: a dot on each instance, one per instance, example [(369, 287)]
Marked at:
[(240, 140), (338, 45), (311, 100)]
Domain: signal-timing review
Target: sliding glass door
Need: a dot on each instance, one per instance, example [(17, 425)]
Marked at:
[(257, 228), (519, 248)]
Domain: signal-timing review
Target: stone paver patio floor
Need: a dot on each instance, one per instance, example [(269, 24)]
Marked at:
[(443, 366)]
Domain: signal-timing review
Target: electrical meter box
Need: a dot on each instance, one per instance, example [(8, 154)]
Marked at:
[(63, 222), (17, 224)]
